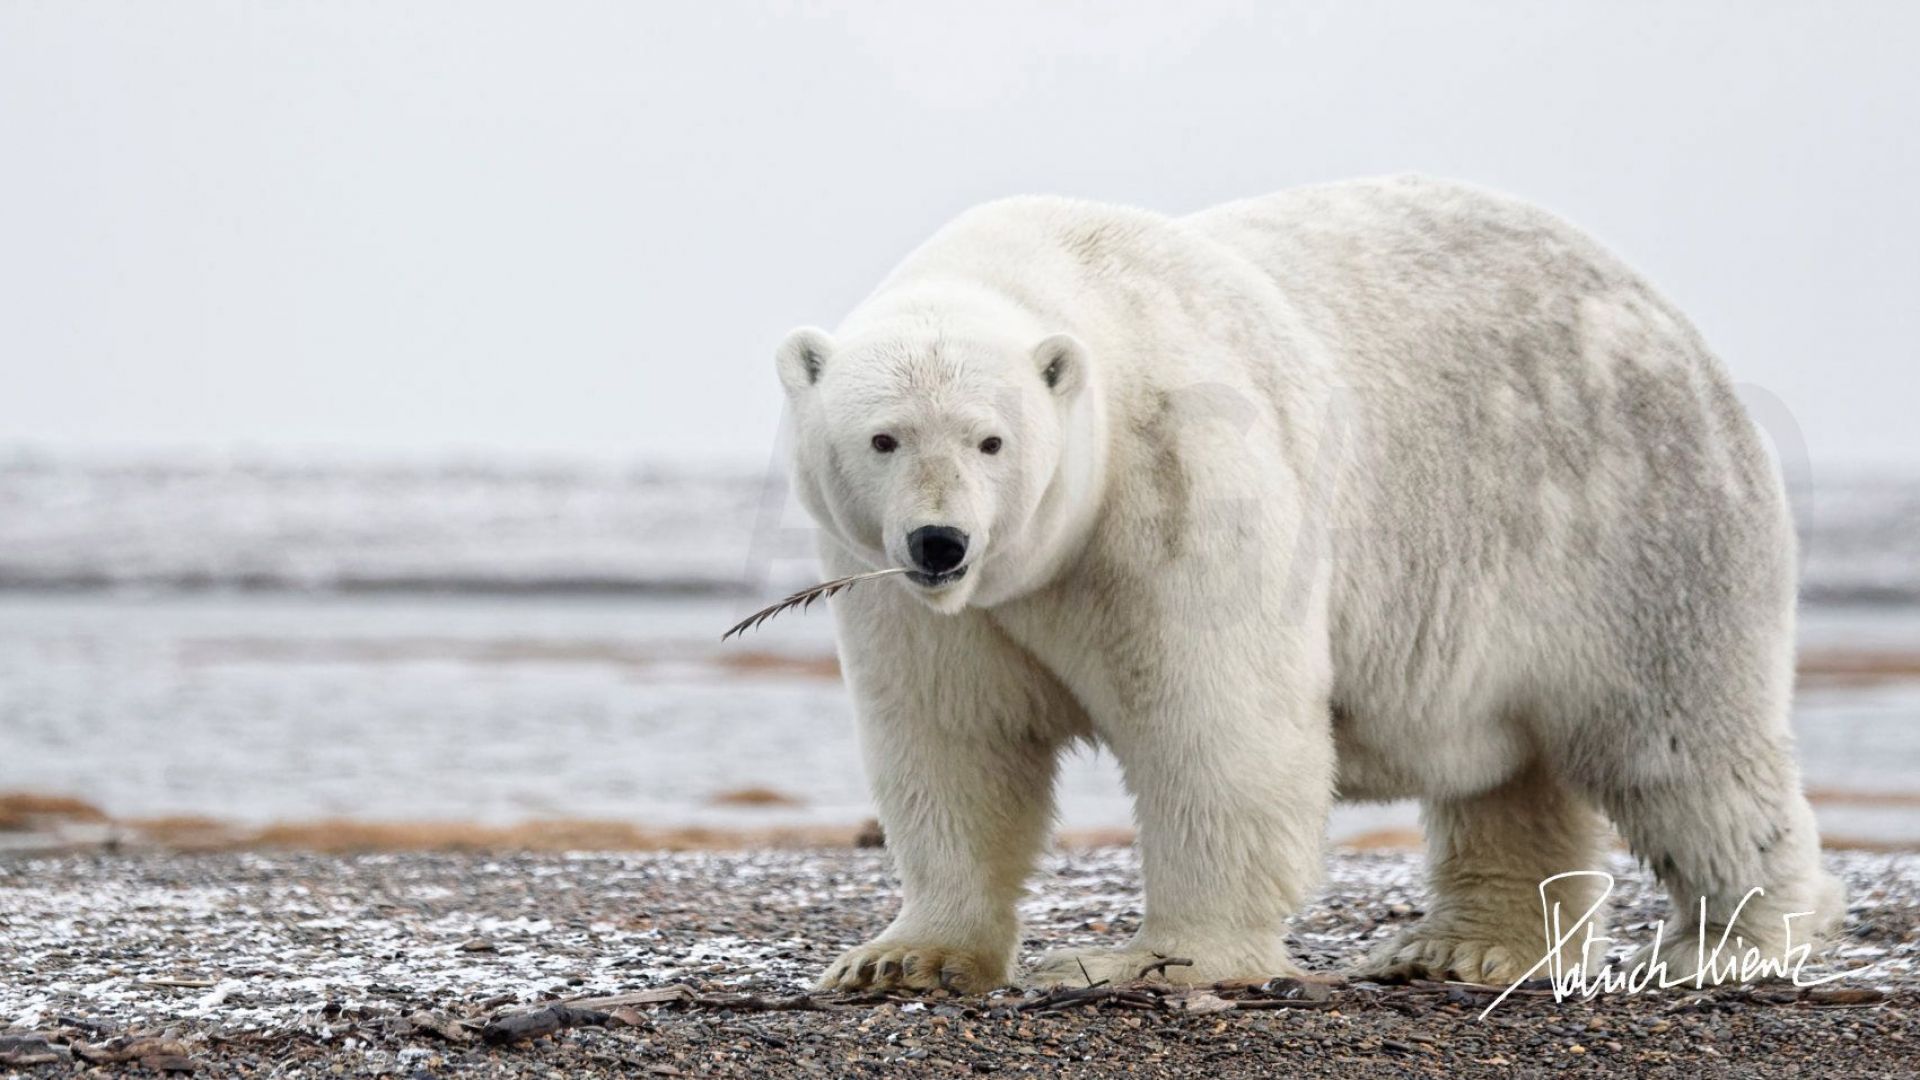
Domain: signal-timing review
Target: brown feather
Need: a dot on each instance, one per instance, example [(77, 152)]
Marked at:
[(805, 597)]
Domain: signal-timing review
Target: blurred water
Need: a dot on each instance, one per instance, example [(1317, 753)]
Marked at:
[(493, 641), (503, 527), (262, 707)]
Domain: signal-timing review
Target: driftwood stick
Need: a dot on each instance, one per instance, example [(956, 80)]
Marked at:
[(659, 995), (760, 1003), (547, 1021)]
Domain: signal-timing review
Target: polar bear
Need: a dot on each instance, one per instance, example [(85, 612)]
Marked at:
[(1374, 490)]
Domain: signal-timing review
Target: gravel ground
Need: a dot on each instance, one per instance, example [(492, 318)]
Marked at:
[(695, 964)]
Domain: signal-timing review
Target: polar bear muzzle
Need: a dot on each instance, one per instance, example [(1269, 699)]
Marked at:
[(937, 552)]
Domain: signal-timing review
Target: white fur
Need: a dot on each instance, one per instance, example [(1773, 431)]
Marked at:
[(1394, 488)]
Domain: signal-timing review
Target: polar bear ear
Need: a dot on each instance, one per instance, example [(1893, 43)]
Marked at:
[(1062, 363), (801, 356)]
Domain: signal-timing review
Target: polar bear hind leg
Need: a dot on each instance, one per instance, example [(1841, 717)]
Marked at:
[(1693, 762), (1488, 856), (1739, 823)]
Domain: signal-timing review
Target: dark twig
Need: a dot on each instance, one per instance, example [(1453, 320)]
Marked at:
[(1160, 966), (1090, 995), (1283, 1003)]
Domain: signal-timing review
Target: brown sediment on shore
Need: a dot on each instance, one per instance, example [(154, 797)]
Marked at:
[(21, 810), (756, 796), (1856, 667), (1842, 842), (551, 835), (74, 825), (1838, 797), (51, 822), (1384, 840)]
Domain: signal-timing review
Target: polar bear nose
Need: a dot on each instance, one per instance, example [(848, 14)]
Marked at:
[(936, 549)]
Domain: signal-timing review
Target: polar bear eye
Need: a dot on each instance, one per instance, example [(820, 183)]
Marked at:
[(885, 443), (990, 444)]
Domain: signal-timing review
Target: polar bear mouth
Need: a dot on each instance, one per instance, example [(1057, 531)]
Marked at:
[(935, 581)]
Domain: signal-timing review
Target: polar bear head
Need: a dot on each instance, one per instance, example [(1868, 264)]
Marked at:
[(949, 450)]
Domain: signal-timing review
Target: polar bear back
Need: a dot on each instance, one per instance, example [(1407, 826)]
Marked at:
[(1552, 485)]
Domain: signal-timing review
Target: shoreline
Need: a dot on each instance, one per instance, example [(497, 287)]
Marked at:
[(699, 964)]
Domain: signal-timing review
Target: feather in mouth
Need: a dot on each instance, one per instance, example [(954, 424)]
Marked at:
[(805, 597)]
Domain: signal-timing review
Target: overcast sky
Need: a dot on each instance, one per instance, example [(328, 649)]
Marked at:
[(579, 229)]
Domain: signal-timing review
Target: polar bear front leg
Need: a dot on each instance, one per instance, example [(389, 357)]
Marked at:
[(960, 732), (1231, 778), (965, 814)]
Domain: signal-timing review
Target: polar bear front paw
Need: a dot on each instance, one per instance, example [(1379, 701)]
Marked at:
[(1433, 952), (1419, 955), (891, 965)]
